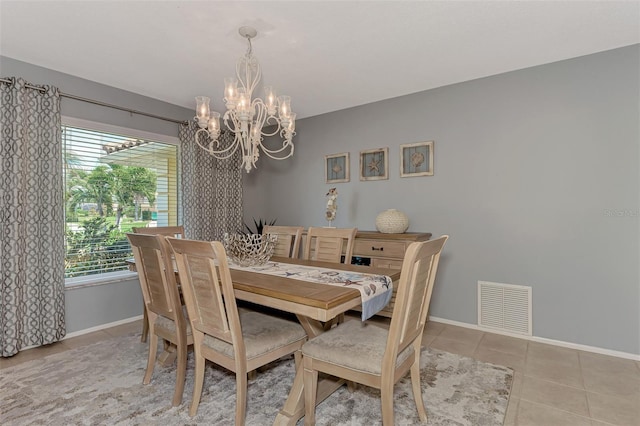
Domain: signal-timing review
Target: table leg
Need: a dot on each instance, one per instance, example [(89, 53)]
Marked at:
[(312, 327), (293, 409), (169, 355)]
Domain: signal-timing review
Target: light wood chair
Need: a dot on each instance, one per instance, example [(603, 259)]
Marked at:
[(165, 315), (240, 341), (289, 237), (330, 244), (168, 231), (374, 356)]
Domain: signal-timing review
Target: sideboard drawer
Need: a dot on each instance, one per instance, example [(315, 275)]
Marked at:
[(386, 263), (393, 249), (385, 251)]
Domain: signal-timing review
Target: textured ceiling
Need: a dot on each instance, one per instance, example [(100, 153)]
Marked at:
[(327, 55)]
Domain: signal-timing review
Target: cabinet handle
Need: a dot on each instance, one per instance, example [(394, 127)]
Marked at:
[(378, 249)]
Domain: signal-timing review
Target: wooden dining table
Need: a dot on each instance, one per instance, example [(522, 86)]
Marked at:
[(314, 304)]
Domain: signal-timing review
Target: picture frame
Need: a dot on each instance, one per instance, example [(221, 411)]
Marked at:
[(416, 159), (336, 168), (374, 164)]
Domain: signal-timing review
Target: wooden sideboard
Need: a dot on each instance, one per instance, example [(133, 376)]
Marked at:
[(384, 251)]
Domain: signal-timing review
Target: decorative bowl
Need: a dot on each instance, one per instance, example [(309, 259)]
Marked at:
[(249, 249), (392, 221)]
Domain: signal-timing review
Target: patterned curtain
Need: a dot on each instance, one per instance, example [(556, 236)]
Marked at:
[(31, 217), (211, 189)]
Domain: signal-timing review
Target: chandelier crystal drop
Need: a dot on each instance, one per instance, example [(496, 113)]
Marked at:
[(246, 117)]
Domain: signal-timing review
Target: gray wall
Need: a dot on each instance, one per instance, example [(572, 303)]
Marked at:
[(88, 89), (93, 306), (536, 182), (97, 305)]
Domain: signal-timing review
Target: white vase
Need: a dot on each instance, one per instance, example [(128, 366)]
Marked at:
[(392, 221)]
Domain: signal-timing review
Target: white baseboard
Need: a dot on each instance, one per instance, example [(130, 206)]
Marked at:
[(586, 348), (91, 330), (102, 327), (561, 343)]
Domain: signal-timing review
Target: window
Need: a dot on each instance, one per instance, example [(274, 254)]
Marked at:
[(114, 180)]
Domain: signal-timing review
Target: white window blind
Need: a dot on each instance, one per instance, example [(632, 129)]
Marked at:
[(112, 184)]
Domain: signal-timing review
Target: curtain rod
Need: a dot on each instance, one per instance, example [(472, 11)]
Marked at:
[(104, 104)]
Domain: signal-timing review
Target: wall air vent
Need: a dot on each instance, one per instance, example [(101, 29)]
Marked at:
[(505, 307)]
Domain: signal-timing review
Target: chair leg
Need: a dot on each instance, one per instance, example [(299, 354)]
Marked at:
[(241, 398), (199, 381), (151, 361), (297, 358), (386, 394), (145, 325), (252, 375), (181, 372), (310, 378), (417, 389)]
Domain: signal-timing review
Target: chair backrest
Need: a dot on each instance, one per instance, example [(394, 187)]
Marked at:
[(329, 244), (413, 296), (156, 273), (211, 306), (167, 231), (289, 237)]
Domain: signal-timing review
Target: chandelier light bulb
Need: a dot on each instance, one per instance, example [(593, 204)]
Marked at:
[(285, 106), (255, 134), (214, 124), (271, 99), (292, 122), (230, 91), (202, 110), (243, 103)]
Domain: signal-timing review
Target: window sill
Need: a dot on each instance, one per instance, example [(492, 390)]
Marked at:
[(102, 279)]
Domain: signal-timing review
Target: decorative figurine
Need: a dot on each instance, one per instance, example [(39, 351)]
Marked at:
[(332, 205)]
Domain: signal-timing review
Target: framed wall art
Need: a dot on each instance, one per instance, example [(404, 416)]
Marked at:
[(416, 159), (374, 164), (336, 168)]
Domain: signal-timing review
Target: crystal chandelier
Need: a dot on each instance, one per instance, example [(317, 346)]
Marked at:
[(246, 117)]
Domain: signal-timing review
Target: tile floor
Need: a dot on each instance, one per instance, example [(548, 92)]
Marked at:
[(553, 386)]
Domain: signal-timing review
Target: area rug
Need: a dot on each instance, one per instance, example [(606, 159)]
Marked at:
[(101, 384)]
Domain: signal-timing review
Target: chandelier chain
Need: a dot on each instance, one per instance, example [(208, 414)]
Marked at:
[(250, 48)]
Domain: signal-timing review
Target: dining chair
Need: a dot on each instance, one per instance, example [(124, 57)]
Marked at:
[(161, 297), (168, 231), (238, 340), (329, 244), (372, 355), (288, 244)]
